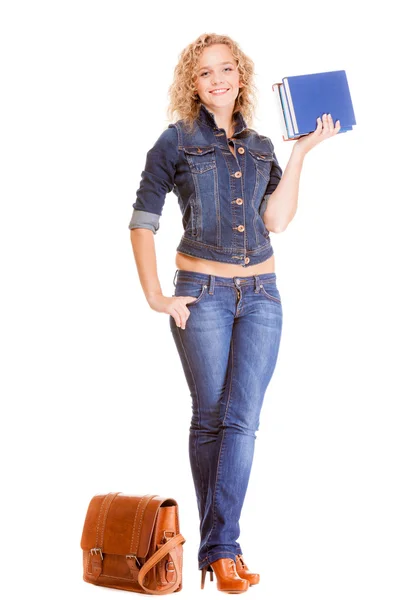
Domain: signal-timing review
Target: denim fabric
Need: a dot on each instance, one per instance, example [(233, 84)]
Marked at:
[(222, 198), (228, 351), (144, 220)]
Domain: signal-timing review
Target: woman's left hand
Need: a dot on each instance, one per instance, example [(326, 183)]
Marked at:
[(324, 130)]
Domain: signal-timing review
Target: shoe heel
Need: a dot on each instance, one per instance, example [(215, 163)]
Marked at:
[(203, 576)]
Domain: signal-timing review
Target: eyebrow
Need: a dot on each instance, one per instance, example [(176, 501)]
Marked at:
[(228, 62)]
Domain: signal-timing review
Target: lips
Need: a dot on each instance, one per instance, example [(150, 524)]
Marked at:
[(219, 91)]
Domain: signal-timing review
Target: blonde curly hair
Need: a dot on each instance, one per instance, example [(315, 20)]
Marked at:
[(184, 101)]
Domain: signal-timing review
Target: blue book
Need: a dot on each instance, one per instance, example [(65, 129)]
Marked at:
[(303, 98)]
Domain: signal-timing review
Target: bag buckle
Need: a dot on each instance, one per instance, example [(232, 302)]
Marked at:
[(136, 558), (95, 551), (169, 566), (165, 539)]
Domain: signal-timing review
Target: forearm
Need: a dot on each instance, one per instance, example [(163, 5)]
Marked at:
[(282, 204), (144, 251)]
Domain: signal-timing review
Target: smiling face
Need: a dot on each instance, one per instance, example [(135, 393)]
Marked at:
[(217, 70)]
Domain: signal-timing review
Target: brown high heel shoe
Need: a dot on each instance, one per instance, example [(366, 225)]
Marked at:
[(227, 578), (243, 571)]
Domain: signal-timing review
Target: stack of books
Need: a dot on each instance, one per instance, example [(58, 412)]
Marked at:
[(302, 98)]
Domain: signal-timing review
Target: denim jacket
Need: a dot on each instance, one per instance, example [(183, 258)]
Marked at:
[(222, 198)]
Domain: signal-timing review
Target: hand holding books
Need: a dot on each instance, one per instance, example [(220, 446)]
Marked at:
[(324, 130), (301, 98)]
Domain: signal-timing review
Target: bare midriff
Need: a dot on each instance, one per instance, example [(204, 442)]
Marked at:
[(213, 267)]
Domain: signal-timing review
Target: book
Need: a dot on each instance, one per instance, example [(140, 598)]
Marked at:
[(300, 99)]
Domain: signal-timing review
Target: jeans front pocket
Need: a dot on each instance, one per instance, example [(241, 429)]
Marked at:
[(270, 291), (191, 288)]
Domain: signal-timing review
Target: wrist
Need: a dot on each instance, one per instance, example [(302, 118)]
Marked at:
[(298, 152), (152, 295)]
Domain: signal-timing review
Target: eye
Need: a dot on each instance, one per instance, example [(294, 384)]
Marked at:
[(205, 72)]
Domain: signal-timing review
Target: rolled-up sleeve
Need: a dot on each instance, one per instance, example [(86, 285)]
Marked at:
[(157, 180), (274, 179)]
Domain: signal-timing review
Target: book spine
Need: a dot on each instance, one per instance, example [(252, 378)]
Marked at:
[(291, 107), (287, 112), (282, 122)]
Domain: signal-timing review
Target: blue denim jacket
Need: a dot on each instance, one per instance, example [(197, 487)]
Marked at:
[(222, 198)]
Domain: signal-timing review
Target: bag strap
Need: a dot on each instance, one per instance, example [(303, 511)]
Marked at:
[(167, 548), (102, 518), (138, 522), (96, 552)]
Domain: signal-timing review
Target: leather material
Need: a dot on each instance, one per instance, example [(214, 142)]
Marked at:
[(228, 579), (244, 572), (133, 543)]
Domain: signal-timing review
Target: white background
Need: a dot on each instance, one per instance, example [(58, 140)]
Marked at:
[(93, 394)]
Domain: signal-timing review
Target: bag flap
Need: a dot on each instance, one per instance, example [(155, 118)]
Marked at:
[(121, 524)]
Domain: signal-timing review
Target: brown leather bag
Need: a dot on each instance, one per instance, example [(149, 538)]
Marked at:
[(133, 543)]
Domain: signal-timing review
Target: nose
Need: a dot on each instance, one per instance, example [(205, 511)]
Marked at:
[(216, 79)]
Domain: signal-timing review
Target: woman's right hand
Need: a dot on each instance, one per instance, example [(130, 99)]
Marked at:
[(172, 305)]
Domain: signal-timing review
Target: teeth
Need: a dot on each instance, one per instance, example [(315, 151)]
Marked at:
[(218, 91)]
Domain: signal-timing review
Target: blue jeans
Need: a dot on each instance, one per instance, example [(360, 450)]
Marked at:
[(228, 351)]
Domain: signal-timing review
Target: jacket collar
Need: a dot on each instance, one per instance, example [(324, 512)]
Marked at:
[(207, 117)]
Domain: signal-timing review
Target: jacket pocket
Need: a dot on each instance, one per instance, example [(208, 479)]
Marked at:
[(200, 158), (263, 162)]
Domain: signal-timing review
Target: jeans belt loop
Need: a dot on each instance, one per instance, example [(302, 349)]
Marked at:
[(174, 281), (211, 284), (257, 284)]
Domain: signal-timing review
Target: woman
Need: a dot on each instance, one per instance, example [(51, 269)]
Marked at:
[(226, 313)]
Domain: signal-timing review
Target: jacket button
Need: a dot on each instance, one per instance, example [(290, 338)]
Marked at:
[(238, 174), (241, 228), (247, 260), (239, 201), (241, 150)]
